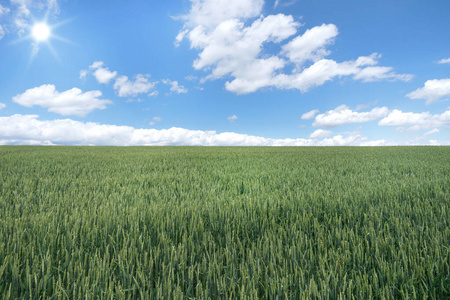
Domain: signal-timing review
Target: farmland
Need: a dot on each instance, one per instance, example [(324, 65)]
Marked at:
[(224, 223)]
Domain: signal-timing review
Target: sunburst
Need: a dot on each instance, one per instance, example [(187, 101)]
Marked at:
[(42, 33)]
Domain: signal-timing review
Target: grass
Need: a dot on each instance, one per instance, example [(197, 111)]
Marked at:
[(224, 223)]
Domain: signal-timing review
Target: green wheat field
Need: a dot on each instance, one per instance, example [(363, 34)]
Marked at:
[(224, 223)]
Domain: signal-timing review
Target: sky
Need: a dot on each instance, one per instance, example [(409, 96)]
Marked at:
[(225, 72)]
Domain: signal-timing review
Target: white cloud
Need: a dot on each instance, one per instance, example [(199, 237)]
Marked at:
[(232, 118), (2, 105), (376, 143), (21, 24), (444, 61), (127, 88), (432, 91), (320, 133), (21, 11), (4, 10), (53, 5), (70, 102), (258, 74), (155, 120), (420, 140), (342, 115), (153, 94), (103, 75), (191, 78), (310, 114), (28, 129), (366, 105), (322, 71), (232, 46), (285, 4), (415, 121), (209, 13), (179, 38), (232, 49), (123, 85), (22, 6), (83, 74), (174, 87), (431, 132), (371, 74), (317, 74), (311, 45), (96, 64)]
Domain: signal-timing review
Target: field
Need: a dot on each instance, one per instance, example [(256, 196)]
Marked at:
[(224, 223)]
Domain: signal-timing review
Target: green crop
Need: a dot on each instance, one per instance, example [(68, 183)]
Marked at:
[(224, 223)]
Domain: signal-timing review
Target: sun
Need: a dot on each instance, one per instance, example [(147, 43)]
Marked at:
[(41, 32)]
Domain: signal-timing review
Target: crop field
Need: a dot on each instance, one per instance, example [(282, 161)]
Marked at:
[(224, 223)]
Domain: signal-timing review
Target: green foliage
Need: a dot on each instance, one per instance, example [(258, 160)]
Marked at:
[(224, 223)]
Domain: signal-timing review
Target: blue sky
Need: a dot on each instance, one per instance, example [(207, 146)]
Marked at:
[(225, 72)]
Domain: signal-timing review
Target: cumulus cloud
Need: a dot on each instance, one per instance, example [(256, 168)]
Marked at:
[(444, 61), (127, 88), (232, 118), (123, 85), (342, 115), (232, 46), (311, 45), (175, 87), (103, 75), (310, 114), (327, 69), (415, 121), (231, 42), (320, 133), (28, 129), (432, 91), (233, 49), (2, 105), (70, 102)]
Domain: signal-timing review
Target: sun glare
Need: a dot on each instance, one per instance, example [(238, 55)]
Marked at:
[(41, 32)]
